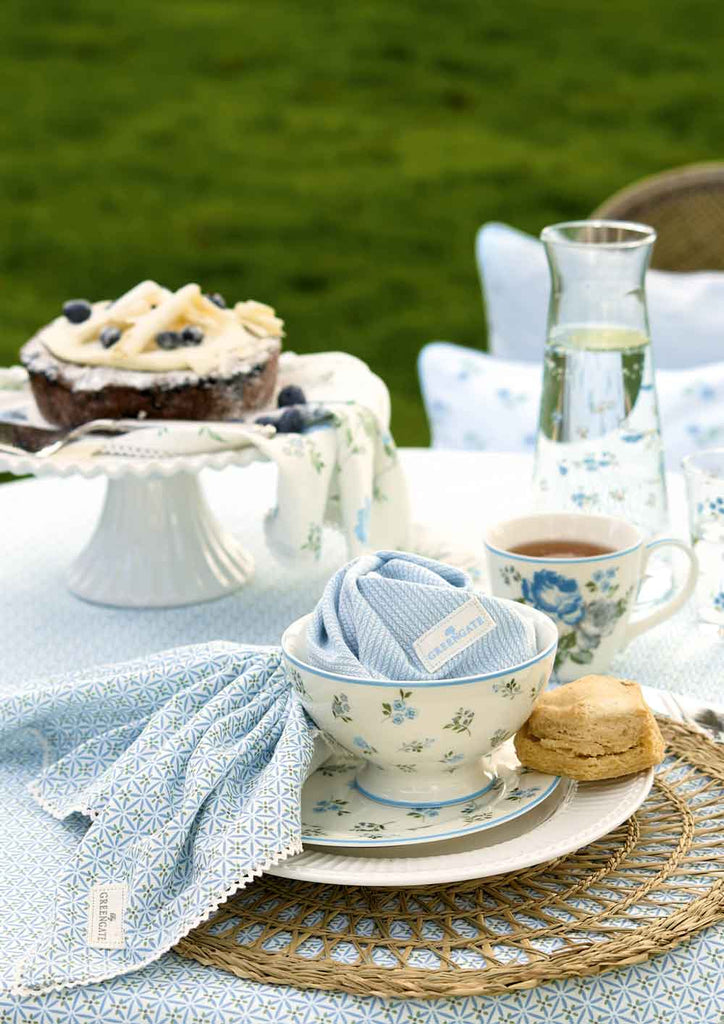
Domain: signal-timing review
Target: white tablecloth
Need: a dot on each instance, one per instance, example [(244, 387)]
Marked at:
[(45, 523), (44, 630)]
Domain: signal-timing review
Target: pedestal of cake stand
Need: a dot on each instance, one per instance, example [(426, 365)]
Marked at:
[(158, 545)]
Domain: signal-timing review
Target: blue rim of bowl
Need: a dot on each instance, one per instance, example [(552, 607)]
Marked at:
[(395, 684), (423, 803), (543, 559)]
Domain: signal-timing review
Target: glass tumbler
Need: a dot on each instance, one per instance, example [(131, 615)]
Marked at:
[(704, 475)]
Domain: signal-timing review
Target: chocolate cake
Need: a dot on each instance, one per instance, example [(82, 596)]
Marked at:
[(156, 354)]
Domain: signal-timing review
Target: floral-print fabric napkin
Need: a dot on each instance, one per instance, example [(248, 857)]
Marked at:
[(343, 471), (190, 765)]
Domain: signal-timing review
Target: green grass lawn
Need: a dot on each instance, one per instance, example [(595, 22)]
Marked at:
[(334, 159)]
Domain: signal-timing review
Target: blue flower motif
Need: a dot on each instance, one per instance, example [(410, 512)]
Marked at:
[(556, 595), (335, 806), (719, 601), (606, 579), (362, 529), (423, 812), (522, 794), (363, 745), (398, 710)]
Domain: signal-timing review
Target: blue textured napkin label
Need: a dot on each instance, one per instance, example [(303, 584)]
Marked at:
[(453, 634), (106, 909)]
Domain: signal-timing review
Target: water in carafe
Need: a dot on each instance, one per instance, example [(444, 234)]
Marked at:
[(599, 443)]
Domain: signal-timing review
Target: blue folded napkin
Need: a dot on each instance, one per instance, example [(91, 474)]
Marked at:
[(394, 615), (190, 764)]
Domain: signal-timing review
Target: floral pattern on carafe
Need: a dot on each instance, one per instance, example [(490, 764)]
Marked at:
[(599, 443)]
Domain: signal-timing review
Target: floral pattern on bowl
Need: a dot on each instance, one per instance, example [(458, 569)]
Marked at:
[(424, 742)]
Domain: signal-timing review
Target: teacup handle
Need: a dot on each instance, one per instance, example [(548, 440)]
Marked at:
[(674, 603)]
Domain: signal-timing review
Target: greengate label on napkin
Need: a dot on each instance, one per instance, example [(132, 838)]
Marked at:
[(106, 907), (453, 634)]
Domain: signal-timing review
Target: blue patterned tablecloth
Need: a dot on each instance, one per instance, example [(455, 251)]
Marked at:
[(44, 630)]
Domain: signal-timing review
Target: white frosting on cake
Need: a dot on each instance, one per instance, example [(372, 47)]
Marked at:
[(230, 336)]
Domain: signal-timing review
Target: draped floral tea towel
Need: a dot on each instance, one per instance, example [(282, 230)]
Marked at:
[(341, 470), (190, 764)]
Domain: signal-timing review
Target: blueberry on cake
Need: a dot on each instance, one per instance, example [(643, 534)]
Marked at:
[(155, 353)]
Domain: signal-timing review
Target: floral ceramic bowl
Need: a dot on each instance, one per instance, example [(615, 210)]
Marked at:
[(422, 741)]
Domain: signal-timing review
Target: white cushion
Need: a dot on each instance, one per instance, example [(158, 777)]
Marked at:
[(686, 311), (475, 400)]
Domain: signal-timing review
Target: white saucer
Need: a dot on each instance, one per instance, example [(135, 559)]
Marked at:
[(335, 812), (570, 818)]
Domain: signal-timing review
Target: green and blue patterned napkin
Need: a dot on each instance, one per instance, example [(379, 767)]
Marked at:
[(190, 765)]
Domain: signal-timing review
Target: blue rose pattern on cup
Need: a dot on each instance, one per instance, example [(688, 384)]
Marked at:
[(556, 595), (591, 616)]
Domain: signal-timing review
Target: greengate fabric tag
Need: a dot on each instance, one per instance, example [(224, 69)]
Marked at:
[(106, 909), (453, 634)]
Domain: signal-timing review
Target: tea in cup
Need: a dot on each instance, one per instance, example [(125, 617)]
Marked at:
[(584, 571)]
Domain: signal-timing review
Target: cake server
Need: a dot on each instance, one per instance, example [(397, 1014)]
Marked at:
[(18, 438)]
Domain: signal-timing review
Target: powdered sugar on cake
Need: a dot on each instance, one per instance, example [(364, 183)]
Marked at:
[(38, 359)]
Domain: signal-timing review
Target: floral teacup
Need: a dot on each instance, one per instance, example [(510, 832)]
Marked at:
[(423, 741), (590, 598)]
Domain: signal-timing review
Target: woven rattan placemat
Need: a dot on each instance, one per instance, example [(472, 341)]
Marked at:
[(639, 891)]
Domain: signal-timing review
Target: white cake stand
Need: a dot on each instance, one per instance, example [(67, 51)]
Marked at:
[(157, 543)]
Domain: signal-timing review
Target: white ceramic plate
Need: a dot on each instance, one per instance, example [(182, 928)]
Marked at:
[(336, 813), (573, 816)]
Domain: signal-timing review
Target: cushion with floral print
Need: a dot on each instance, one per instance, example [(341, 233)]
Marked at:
[(475, 400), (686, 311)]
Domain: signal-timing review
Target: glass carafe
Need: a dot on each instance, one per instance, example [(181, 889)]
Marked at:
[(599, 443)]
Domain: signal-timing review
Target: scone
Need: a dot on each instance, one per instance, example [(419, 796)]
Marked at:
[(155, 353), (597, 727)]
